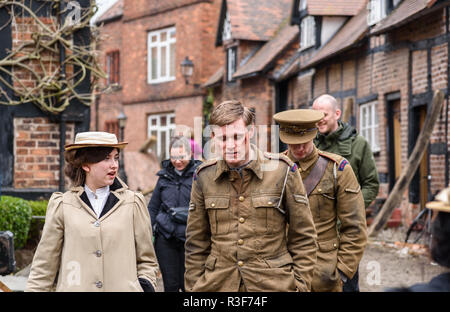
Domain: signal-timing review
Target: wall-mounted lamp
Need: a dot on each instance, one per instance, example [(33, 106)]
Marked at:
[(187, 69)]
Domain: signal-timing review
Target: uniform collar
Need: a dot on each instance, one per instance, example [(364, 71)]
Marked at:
[(254, 165)]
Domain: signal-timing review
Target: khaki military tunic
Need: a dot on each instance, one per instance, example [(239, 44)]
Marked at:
[(236, 238), (336, 196)]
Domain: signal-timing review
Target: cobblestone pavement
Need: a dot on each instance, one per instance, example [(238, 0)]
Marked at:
[(390, 263)]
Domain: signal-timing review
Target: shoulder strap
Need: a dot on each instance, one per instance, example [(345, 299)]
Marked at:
[(315, 175)]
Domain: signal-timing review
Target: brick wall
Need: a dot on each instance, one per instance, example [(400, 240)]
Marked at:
[(25, 31), (36, 150), (386, 72)]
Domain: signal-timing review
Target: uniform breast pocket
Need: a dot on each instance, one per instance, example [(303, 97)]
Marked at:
[(268, 218), (219, 213), (322, 202)]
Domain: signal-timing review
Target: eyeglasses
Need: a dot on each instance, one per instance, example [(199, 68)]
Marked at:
[(181, 157)]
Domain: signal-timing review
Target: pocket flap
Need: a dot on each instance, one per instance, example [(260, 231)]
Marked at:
[(265, 201), (210, 262), (329, 245), (301, 199), (280, 261), (217, 203)]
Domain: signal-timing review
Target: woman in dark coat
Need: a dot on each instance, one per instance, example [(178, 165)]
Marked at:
[(168, 209)]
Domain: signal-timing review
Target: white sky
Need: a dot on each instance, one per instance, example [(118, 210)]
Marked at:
[(103, 5)]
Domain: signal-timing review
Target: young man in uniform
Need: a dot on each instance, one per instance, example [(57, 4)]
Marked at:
[(241, 203), (334, 193)]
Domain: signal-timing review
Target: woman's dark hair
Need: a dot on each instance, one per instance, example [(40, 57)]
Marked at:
[(76, 158), (440, 244)]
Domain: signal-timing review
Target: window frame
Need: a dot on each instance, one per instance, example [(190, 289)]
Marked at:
[(302, 5), (308, 32), (370, 122), (231, 55), (377, 11), (226, 32), (169, 57), (113, 67), (168, 128)]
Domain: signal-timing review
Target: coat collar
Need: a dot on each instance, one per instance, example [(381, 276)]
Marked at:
[(254, 165), (113, 201)]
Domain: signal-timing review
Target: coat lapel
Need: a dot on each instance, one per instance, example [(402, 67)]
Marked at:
[(114, 199)]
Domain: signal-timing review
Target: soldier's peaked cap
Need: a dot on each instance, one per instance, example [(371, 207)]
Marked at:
[(298, 126)]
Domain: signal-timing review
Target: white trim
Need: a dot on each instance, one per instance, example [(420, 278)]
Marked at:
[(377, 11), (159, 47), (307, 32), (167, 129), (368, 124), (226, 33), (231, 63)]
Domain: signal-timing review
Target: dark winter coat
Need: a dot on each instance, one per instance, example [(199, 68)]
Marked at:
[(440, 283), (172, 190)]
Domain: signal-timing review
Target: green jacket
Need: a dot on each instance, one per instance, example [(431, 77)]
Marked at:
[(346, 141)]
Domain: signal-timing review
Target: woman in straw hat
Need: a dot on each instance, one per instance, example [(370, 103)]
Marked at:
[(440, 245), (97, 235)]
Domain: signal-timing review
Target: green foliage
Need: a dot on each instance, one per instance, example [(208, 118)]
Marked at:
[(39, 208), (15, 216)]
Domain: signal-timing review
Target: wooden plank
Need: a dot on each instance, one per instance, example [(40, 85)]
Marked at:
[(408, 171)]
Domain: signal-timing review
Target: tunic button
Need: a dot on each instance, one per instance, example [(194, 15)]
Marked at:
[(242, 220), (269, 203), (240, 263), (241, 198), (99, 284), (320, 190), (98, 253), (334, 245), (96, 223), (213, 205), (240, 242)]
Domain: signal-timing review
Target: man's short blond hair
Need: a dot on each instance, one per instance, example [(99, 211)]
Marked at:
[(228, 112)]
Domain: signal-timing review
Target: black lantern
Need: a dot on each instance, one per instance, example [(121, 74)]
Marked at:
[(187, 69)]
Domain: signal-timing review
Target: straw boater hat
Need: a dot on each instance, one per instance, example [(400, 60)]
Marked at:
[(298, 126), (442, 202), (95, 139)]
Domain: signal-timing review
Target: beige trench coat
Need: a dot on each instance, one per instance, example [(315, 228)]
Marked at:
[(90, 254)]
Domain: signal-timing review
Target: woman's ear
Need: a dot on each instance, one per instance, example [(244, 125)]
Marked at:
[(86, 168)]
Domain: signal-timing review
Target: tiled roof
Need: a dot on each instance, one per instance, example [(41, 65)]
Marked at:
[(215, 79), (355, 29), (113, 12), (256, 20), (268, 52), (406, 11), (335, 7)]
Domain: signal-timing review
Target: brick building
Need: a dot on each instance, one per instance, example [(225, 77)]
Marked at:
[(32, 138), (254, 52), (149, 40), (383, 64)]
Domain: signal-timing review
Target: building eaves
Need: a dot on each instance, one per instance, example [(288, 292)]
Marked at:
[(348, 36), (254, 20), (270, 51), (335, 7), (406, 12), (113, 13), (215, 79)]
